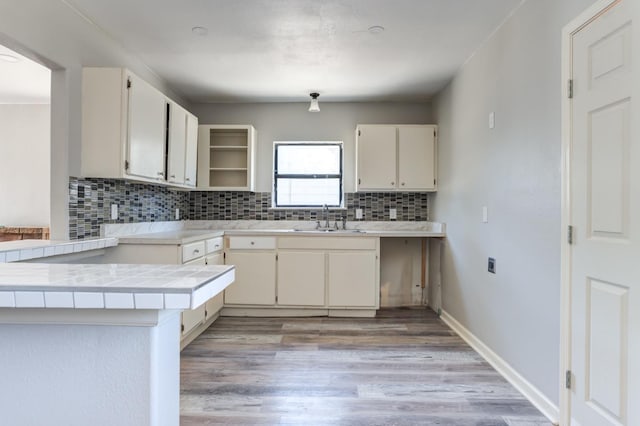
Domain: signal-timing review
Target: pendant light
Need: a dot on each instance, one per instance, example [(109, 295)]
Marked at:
[(314, 107)]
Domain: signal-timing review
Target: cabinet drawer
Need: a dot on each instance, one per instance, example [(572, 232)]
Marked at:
[(327, 243), (192, 251), (214, 244), (252, 243)]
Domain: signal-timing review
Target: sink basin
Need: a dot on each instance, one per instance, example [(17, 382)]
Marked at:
[(330, 231)]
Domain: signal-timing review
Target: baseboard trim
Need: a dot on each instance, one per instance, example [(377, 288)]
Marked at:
[(533, 394)]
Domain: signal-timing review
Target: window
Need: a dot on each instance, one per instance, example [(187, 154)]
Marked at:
[(307, 174)]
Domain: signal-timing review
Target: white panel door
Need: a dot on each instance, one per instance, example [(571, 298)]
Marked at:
[(605, 213), (177, 143), (147, 127), (301, 278), (376, 158), (255, 282), (191, 160), (352, 279), (416, 158)]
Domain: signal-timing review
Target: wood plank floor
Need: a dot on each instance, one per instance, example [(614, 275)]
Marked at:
[(404, 367)]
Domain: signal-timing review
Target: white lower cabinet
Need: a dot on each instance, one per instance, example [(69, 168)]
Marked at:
[(302, 272), (255, 282), (203, 252), (301, 278)]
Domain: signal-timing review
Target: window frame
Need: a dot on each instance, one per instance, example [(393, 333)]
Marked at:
[(275, 176)]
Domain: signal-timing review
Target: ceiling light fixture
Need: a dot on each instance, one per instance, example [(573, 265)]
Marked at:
[(313, 106), (376, 29), (200, 31), (9, 58)]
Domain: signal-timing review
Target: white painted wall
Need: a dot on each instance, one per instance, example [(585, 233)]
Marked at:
[(52, 33), (24, 165), (292, 121), (513, 169)]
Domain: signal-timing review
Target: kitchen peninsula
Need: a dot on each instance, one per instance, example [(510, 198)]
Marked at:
[(96, 343)]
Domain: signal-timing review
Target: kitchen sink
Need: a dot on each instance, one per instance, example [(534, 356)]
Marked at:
[(330, 231)]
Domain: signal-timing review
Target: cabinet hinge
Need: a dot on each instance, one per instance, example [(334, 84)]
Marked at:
[(359, 181), (359, 133), (224, 256), (434, 182), (206, 313), (126, 164), (567, 379), (182, 327), (276, 257), (570, 234), (434, 133), (570, 89), (128, 83)]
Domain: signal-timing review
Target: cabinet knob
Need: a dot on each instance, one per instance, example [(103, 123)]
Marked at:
[(402, 184), (187, 179), (196, 251), (393, 183), (174, 176), (252, 243)]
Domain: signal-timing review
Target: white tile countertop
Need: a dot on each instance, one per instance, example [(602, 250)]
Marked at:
[(182, 236), (15, 251), (110, 286)]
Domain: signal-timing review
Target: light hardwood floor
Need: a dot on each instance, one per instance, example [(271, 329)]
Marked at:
[(404, 367)]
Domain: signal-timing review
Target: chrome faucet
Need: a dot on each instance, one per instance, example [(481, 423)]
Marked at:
[(325, 210)]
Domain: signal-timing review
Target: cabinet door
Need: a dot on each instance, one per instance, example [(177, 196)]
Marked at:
[(352, 279), (147, 115), (177, 143), (192, 318), (301, 278), (416, 158), (191, 160), (376, 158), (255, 282)]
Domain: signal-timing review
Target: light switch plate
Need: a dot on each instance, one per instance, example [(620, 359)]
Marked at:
[(177, 214), (114, 212), (492, 120), (393, 214), (359, 214), (485, 214)]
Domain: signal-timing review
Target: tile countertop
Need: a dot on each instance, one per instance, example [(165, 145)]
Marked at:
[(14, 251), (110, 286), (182, 236), (198, 230)]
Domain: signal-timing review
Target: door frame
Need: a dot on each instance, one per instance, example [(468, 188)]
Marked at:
[(575, 25)]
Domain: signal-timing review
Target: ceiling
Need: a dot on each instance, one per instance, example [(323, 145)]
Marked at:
[(23, 81), (281, 50)]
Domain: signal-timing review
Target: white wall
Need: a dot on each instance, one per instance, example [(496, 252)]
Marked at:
[(292, 121), (52, 33), (513, 169), (24, 165)]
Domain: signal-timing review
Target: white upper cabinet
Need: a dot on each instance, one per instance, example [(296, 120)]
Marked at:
[(376, 157), (226, 157), (147, 118), (133, 131), (191, 155), (396, 158), (177, 143), (416, 158)]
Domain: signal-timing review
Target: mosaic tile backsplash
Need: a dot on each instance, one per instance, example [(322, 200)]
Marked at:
[(411, 206), (90, 202)]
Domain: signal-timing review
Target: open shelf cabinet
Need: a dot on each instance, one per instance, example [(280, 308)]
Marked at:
[(226, 157)]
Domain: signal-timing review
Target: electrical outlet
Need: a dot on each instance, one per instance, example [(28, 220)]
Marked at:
[(177, 214), (491, 267), (114, 212), (393, 214), (359, 214)]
